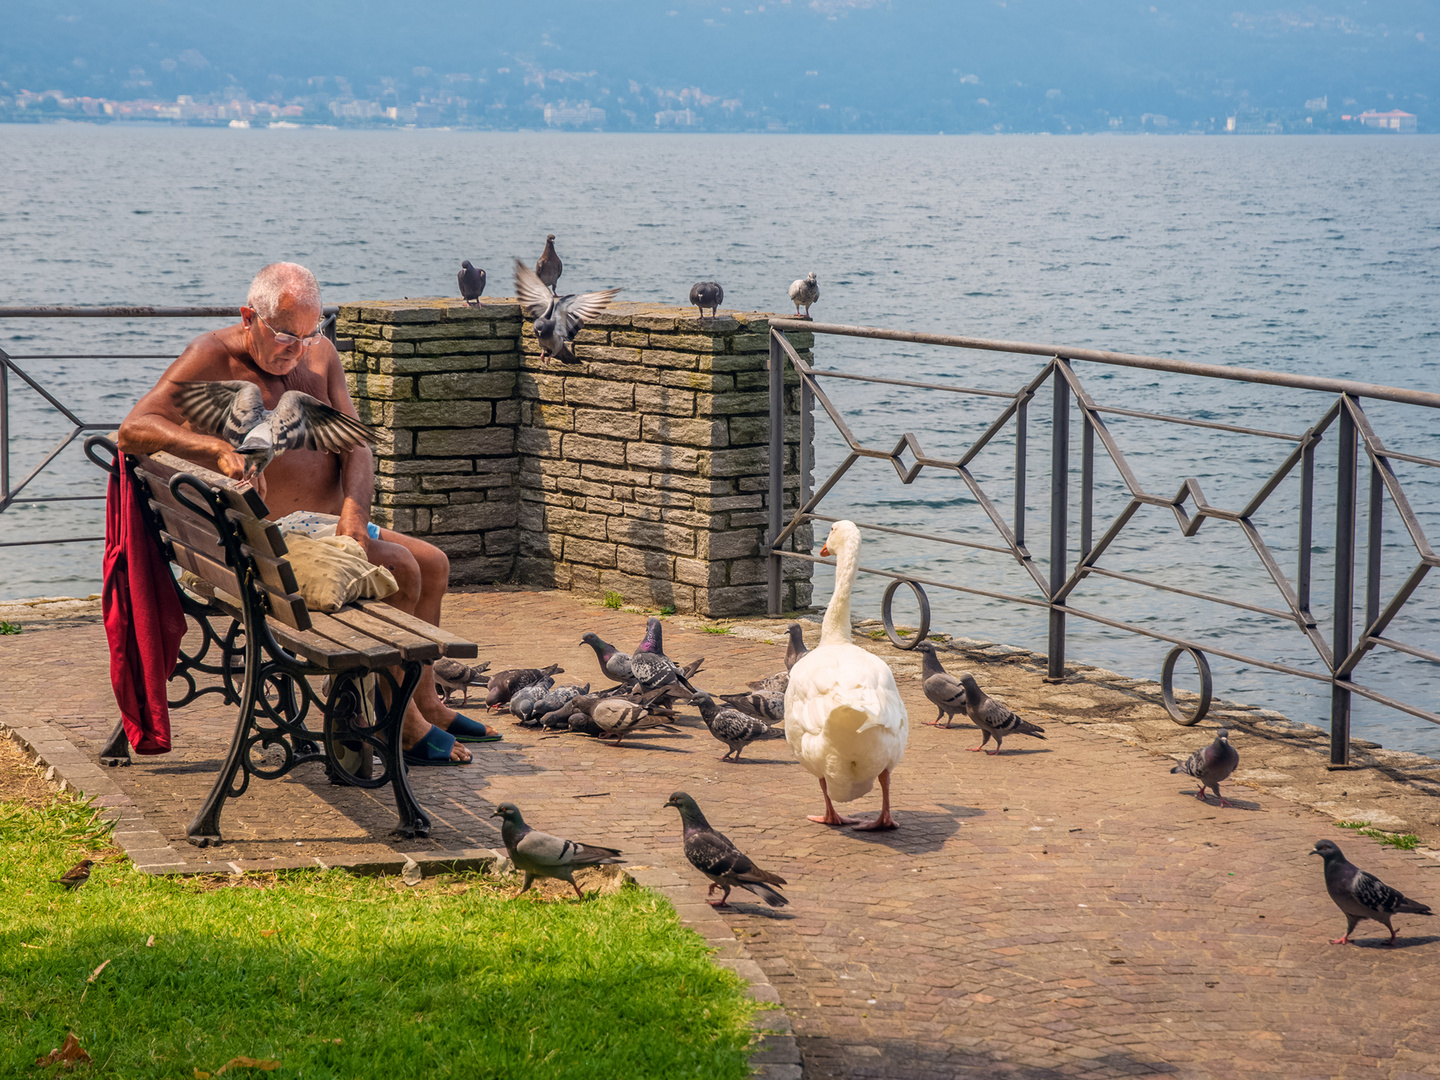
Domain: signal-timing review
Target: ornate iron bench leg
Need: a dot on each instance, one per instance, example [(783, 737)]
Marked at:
[(413, 820), (204, 830), (116, 750)]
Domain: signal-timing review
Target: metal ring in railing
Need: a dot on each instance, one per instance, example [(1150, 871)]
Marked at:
[(889, 621), (1167, 685)]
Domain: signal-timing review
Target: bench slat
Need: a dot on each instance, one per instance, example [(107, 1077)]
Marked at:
[(411, 646), (377, 652), (264, 537), (450, 644), (186, 527), (288, 608), (316, 648), (241, 497)]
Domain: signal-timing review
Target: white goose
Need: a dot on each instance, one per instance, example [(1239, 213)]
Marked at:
[(843, 715)]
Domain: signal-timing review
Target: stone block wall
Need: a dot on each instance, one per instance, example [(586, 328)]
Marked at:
[(642, 470)]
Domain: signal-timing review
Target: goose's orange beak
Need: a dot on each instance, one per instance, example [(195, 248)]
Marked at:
[(824, 550)]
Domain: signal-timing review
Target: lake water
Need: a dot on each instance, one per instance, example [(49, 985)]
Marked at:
[(1316, 254)]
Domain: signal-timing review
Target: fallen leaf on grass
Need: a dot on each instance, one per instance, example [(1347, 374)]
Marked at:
[(264, 1065), (268, 933), (69, 1055), (96, 973), (151, 943), (27, 945)]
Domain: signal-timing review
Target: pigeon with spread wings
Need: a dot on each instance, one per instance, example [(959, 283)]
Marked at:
[(557, 318), (235, 411)]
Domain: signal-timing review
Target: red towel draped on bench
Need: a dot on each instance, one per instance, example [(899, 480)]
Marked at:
[(143, 618)]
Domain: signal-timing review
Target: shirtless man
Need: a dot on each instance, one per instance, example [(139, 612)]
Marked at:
[(278, 347)]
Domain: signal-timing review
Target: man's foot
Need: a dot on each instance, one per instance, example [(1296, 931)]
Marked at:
[(416, 729), (435, 747)]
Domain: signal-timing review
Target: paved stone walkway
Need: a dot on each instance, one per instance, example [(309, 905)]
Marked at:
[(1064, 910)]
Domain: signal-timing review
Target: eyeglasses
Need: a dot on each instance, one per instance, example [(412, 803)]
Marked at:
[(286, 340)]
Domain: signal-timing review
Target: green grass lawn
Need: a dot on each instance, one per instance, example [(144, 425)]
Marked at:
[(340, 976)]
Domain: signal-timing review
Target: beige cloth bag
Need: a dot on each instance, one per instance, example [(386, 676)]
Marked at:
[(332, 571)]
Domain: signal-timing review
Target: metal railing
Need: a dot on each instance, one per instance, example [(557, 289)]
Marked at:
[(1053, 586), (10, 492)]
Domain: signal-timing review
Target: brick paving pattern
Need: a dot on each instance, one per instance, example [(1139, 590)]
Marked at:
[(1064, 910)]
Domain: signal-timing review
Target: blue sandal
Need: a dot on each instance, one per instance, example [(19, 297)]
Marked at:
[(433, 749), (472, 731)]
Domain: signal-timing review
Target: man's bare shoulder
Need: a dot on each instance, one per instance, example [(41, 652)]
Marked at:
[(209, 357)]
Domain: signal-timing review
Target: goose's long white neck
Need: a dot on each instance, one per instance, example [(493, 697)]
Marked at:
[(835, 630)]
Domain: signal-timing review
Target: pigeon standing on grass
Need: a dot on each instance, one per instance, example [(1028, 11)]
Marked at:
[(945, 692), (993, 718), (472, 283), (804, 291), (452, 675), (705, 294), (557, 319), (1360, 895), (1211, 764), (718, 859), (734, 728), (613, 663), (234, 410), (548, 267), (76, 875), (540, 855)]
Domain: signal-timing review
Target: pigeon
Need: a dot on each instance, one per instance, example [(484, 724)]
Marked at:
[(766, 705), (731, 726), (1360, 895), (472, 283), (557, 319), (549, 266), (77, 875), (505, 683), (540, 855), (523, 701), (705, 294), (453, 675), (618, 717), (944, 691), (771, 684), (555, 699), (1211, 764), (613, 663), (795, 648), (992, 718), (722, 862), (649, 665), (234, 410), (805, 291)]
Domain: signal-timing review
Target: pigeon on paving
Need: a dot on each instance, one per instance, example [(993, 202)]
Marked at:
[(649, 665), (524, 701), (1360, 895), (540, 855), (1211, 764), (453, 675), (472, 283), (731, 726), (795, 647), (705, 294), (613, 663), (618, 717), (76, 875), (234, 410), (805, 291), (992, 718), (771, 684), (549, 266), (555, 699), (766, 705), (505, 683), (945, 692), (557, 319), (722, 862)]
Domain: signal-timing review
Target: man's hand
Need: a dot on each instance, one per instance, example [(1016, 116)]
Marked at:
[(231, 464), (353, 524)]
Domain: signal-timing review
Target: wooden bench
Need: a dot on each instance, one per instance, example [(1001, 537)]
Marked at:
[(274, 646)]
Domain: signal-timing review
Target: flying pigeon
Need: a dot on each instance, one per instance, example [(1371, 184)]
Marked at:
[(505, 683), (649, 665), (549, 266), (705, 294), (540, 855), (1211, 764), (557, 319), (731, 726), (472, 283), (452, 675), (722, 862), (1360, 895), (992, 718), (766, 705), (944, 691), (795, 647), (234, 410), (805, 291), (613, 663), (76, 875)]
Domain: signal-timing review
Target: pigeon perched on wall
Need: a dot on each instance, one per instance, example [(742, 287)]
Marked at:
[(472, 283), (804, 292), (540, 855), (77, 875), (993, 718), (505, 683), (613, 663), (705, 294), (766, 705), (558, 319), (1211, 764), (649, 665), (452, 675), (548, 267), (1360, 895), (731, 726), (945, 692), (234, 410), (718, 859)]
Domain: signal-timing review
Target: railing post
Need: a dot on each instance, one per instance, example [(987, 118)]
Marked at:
[(1021, 431), (1343, 630), (1059, 515), (777, 468), (4, 429)]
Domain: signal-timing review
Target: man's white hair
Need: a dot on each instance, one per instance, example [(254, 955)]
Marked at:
[(279, 280)]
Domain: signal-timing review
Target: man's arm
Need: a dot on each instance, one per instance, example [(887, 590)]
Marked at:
[(357, 466)]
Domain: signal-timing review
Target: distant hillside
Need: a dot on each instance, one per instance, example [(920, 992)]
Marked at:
[(826, 65)]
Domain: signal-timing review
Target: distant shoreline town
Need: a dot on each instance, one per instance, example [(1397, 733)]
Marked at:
[(705, 114)]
